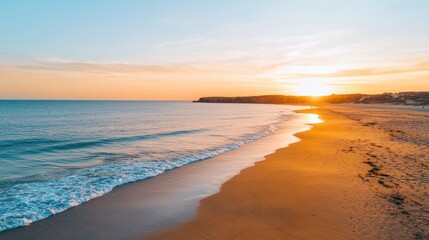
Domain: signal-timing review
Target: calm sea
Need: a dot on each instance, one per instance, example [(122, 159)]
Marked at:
[(58, 154)]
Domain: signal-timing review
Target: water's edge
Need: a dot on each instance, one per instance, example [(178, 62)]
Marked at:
[(225, 162)]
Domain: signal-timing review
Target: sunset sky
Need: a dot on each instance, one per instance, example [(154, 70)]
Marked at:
[(101, 49)]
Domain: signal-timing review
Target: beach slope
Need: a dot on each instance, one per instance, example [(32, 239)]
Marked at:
[(349, 178)]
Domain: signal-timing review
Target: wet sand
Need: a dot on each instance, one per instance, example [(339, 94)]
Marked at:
[(135, 210), (362, 174)]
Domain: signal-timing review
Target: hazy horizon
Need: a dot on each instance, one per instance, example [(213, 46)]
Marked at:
[(186, 100), (164, 50)]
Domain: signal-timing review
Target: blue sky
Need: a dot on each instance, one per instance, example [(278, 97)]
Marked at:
[(225, 38)]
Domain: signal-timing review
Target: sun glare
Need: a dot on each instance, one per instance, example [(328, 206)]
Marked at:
[(312, 88)]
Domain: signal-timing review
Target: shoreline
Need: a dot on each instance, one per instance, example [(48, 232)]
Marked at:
[(167, 200), (347, 178), (329, 185)]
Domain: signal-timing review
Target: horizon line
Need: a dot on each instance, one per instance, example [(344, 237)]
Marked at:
[(185, 100)]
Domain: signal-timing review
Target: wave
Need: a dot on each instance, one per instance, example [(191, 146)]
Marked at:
[(62, 146), (36, 199), (119, 139), (27, 142)]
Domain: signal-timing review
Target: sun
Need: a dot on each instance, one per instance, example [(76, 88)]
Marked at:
[(313, 87)]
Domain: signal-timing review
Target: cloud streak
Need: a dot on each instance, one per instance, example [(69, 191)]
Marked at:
[(367, 72)]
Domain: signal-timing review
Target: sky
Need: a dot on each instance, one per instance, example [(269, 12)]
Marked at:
[(183, 50)]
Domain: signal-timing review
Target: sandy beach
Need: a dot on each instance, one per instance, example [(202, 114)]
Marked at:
[(362, 174)]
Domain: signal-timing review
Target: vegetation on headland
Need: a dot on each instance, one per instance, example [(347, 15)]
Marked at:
[(403, 98)]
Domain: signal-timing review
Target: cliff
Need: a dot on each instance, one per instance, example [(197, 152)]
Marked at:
[(405, 98)]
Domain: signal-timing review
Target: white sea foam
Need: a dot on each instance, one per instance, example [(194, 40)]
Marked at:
[(29, 201)]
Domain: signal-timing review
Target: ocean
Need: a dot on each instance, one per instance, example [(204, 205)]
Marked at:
[(55, 155)]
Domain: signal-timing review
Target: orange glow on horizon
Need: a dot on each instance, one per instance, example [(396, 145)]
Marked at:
[(313, 87), (189, 82)]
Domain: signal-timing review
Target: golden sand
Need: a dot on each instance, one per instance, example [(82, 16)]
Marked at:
[(358, 175)]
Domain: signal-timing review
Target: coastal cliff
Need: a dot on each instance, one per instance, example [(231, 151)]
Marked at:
[(403, 98)]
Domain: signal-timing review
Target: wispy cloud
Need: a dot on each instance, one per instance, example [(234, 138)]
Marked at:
[(125, 68), (367, 72)]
